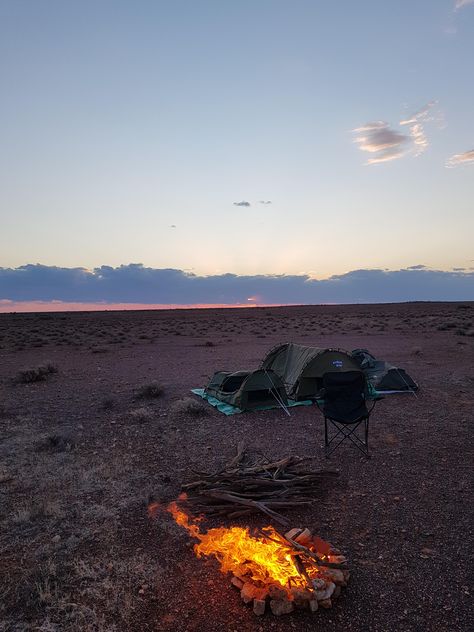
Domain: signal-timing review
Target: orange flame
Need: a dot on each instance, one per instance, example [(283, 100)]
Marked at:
[(263, 559)]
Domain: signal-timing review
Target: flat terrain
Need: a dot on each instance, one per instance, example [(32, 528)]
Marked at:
[(82, 452)]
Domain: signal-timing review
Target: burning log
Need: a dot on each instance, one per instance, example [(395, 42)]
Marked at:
[(244, 487), (269, 568)]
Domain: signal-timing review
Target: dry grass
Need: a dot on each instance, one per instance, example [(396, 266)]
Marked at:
[(38, 374), (142, 414), (188, 406), (61, 515), (152, 390)]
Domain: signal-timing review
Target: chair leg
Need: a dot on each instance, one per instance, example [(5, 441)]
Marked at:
[(326, 444), (362, 444)]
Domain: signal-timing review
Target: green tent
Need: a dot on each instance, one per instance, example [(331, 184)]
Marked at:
[(247, 390), (301, 368)]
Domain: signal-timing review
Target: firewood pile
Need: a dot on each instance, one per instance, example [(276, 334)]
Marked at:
[(322, 570), (247, 485)]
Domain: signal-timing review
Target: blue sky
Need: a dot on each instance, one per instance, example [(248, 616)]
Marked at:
[(130, 129)]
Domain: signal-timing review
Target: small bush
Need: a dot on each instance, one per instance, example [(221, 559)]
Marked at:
[(188, 406), (142, 414), (39, 374), (150, 391), (208, 343), (56, 443), (107, 403)]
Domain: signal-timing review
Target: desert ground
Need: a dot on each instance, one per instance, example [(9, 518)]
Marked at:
[(88, 443)]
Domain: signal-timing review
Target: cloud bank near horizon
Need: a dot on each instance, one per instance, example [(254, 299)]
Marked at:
[(135, 283)]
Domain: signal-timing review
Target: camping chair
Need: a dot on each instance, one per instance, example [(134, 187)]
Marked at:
[(344, 407)]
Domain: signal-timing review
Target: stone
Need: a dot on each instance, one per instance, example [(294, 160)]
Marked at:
[(304, 537), (335, 575), (276, 592), (325, 603), (347, 573), (238, 583), (302, 596), (336, 593), (280, 606), (56, 538), (292, 534), (323, 595), (313, 605), (259, 607), (248, 592), (319, 584)]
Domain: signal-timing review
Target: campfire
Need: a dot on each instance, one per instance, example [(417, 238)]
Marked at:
[(294, 570)]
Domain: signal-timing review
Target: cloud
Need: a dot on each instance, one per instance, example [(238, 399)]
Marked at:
[(243, 203), (462, 3), (265, 202), (377, 138), (135, 283), (466, 158), (389, 144), (417, 131)]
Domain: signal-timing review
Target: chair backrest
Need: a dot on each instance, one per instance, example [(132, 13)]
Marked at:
[(344, 396)]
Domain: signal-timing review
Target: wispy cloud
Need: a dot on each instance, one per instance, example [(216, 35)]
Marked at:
[(416, 125), (136, 284), (243, 203), (386, 143), (459, 4), (466, 158), (264, 201)]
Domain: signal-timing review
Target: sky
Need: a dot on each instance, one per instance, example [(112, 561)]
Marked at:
[(255, 151)]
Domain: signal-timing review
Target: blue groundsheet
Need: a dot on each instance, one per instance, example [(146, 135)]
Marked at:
[(228, 409)]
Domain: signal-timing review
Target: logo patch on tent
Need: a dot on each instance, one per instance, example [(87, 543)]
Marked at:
[(338, 364)]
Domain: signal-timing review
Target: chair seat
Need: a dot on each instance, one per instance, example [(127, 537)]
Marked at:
[(352, 417)]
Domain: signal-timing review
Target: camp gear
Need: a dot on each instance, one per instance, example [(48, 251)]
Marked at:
[(248, 390), (229, 410), (344, 408), (382, 375), (301, 368)]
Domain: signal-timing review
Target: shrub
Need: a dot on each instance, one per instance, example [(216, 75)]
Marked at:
[(39, 374), (142, 414), (56, 443), (107, 403), (189, 406), (151, 390)]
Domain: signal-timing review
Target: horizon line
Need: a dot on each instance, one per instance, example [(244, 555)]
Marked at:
[(55, 307)]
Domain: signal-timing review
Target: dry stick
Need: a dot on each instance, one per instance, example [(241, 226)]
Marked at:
[(253, 503), (305, 551), (238, 457), (302, 571)]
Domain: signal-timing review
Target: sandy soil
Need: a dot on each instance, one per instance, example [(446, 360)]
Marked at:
[(81, 455)]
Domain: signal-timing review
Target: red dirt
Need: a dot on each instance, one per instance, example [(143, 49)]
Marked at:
[(75, 464)]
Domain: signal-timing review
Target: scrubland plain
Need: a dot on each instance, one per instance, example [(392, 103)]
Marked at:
[(97, 419)]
